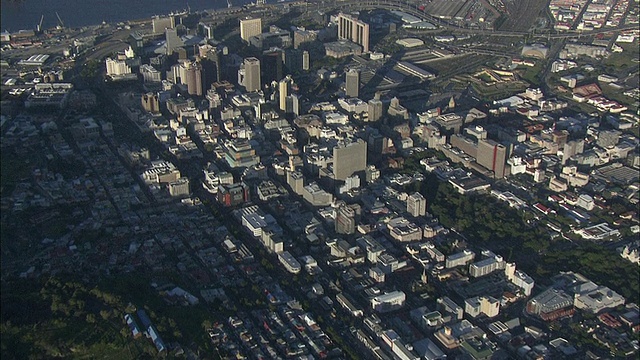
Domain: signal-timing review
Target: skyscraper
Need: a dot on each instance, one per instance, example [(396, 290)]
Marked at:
[(349, 158), (249, 28), (375, 109), (173, 41), (305, 60), (252, 81), (352, 29), (416, 204), (284, 87), (352, 79), (492, 156), (295, 104), (194, 79), (272, 66), (209, 72)]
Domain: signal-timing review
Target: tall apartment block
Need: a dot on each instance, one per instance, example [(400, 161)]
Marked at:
[(350, 28), (250, 27), (416, 204)]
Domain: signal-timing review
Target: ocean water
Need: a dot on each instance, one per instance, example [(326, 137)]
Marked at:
[(25, 14)]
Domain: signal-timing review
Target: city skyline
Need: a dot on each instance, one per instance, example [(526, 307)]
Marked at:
[(323, 180)]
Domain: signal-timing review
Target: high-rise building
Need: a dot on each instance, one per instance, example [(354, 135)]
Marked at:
[(375, 109), (416, 204), (284, 87), (345, 222), (209, 72), (305, 60), (213, 65), (271, 65), (352, 80), (349, 158), (252, 79), (117, 67), (296, 181), (250, 27), (206, 30), (193, 75), (571, 148), (150, 74), (492, 156), (352, 29), (295, 104), (173, 41), (136, 40)]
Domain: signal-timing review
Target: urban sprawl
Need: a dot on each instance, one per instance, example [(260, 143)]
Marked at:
[(339, 179)]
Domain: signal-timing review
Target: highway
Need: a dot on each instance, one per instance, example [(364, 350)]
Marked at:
[(116, 41)]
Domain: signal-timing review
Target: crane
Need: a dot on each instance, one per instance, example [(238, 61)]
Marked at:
[(39, 26), (60, 22)]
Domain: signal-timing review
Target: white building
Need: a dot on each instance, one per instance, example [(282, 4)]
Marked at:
[(388, 302), (523, 281), (486, 266), (416, 204), (117, 67), (459, 259)]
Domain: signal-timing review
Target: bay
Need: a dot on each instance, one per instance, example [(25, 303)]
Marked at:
[(25, 14)]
